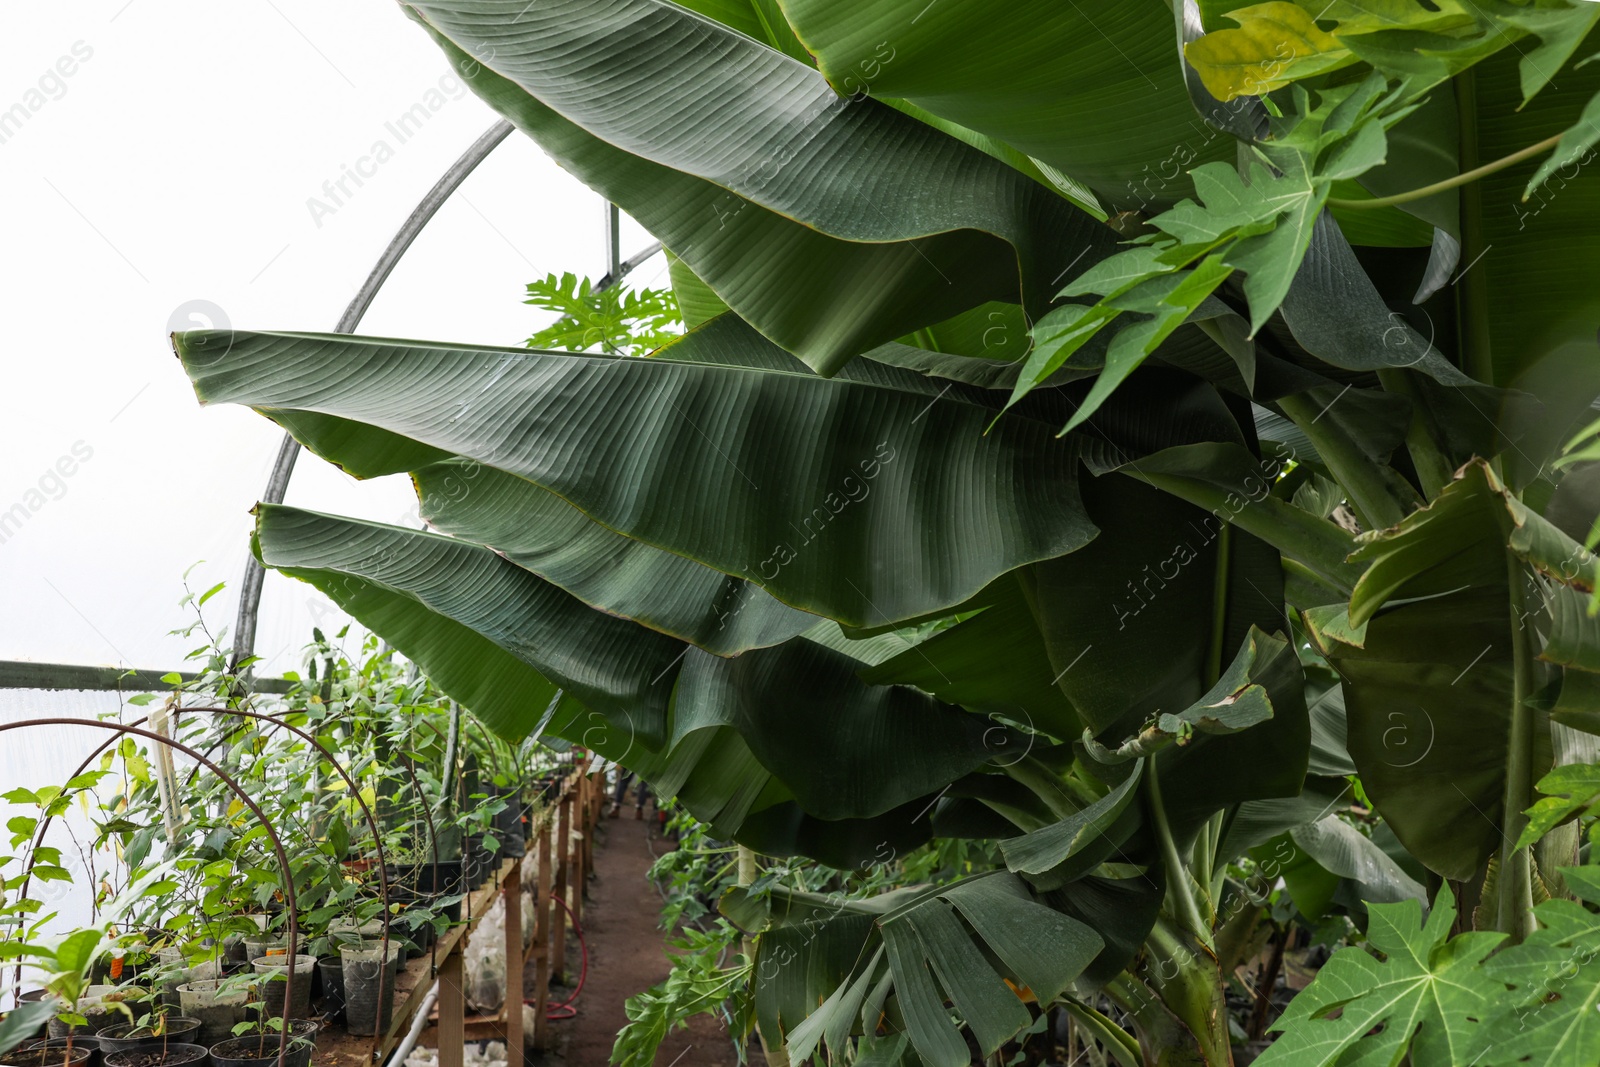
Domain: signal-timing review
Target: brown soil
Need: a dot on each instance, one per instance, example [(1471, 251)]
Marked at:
[(627, 955)]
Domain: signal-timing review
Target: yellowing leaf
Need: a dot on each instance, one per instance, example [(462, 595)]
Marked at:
[(1275, 44)]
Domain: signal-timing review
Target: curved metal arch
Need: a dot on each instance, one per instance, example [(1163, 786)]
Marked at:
[(244, 798)]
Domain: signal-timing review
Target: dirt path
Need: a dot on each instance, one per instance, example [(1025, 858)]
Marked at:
[(626, 956)]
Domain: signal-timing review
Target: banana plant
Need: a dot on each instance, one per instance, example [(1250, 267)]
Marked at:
[(1119, 432)]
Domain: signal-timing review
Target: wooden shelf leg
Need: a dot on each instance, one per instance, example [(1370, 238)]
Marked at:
[(452, 1012), (558, 928), (514, 966), (543, 904)]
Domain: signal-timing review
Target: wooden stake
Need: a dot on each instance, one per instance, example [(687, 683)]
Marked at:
[(541, 943)]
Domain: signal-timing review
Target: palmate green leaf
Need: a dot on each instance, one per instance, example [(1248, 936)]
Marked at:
[(1075, 57), (540, 532), (1568, 791), (829, 480), (1551, 1016), (1276, 43), (1429, 993), (1574, 147), (783, 197)]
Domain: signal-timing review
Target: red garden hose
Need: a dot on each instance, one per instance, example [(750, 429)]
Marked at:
[(565, 1009)]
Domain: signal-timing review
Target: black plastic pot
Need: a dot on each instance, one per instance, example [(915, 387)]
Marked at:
[(82, 1041), (430, 880), (50, 1054), (508, 821), (155, 1056), (31, 995), (261, 1052), (331, 971), (126, 1036)]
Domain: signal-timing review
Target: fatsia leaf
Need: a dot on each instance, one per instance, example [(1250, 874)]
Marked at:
[(780, 195), (808, 487), (1428, 993)]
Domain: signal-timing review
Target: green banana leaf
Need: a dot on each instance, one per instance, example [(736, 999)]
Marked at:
[(780, 195), (808, 487)]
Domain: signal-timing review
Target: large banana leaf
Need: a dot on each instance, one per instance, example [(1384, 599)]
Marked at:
[(813, 489), (827, 968), (540, 532), (787, 200), (501, 640), (1531, 296), (610, 664), (1093, 88), (1426, 648)]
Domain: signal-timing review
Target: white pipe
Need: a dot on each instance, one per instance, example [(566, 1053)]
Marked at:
[(418, 1024)]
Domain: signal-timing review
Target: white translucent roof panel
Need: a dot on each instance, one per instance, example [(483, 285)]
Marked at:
[(183, 150)]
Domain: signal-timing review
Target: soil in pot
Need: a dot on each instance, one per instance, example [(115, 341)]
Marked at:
[(332, 1003), (49, 1055), (368, 985), (79, 1043), (124, 1036), (261, 1052), (170, 1055), (275, 972), (218, 1012)]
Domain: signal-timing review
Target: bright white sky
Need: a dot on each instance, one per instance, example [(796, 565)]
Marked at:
[(173, 164)]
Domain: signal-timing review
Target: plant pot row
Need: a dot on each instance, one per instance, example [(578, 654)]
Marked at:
[(169, 1050)]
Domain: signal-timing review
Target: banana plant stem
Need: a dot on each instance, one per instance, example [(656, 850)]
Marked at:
[(1515, 903), (1178, 891), (1450, 183)]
